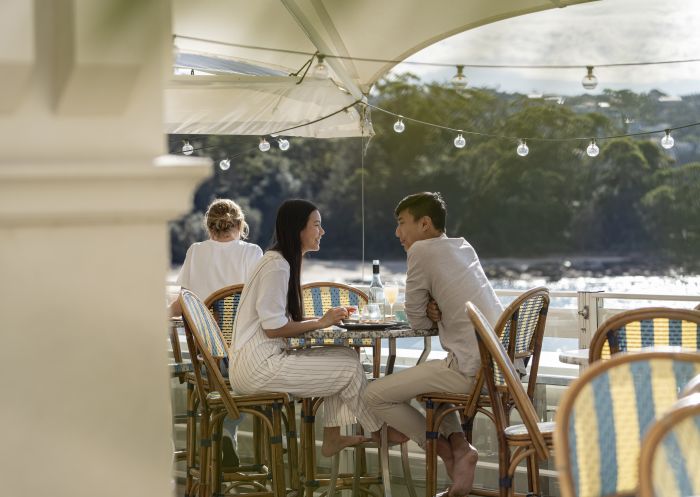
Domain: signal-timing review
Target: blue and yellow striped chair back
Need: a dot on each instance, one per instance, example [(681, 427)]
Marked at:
[(317, 298), (198, 316), (223, 304), (605, 414), (670, 456), (638, 329), (527, 314)]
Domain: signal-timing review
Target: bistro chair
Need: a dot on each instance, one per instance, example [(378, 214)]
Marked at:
[(317, 298), (605, 414), (529, 440), (693, 386), (520, 330), (207, 350), (669, 461), (223, 304), (632, 331)]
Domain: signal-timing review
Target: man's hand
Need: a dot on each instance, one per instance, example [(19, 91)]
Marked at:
[(433, 311)]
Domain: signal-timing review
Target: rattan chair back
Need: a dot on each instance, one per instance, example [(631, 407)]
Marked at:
[(494, 355), (605, 413), (693, 386), (634, 330), (207, 349), (223, 304), (318, 297), (669, 462)]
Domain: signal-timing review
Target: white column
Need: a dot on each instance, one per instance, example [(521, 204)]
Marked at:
[(84, 247)]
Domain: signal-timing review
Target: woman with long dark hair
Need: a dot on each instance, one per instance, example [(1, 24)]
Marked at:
[(271, 310)]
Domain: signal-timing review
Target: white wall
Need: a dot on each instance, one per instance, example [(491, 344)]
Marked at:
[(84, 247)]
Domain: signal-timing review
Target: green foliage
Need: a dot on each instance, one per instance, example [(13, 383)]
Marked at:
[(632, 197)]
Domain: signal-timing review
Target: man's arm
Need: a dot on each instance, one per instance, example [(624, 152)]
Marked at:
[(417, 291)]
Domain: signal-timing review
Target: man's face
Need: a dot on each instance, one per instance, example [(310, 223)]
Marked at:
[(410, 230)]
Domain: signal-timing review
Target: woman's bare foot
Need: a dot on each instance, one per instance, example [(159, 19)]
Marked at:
[(394, 436), (334, 442)]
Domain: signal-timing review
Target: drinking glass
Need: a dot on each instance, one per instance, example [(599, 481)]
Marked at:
[(391, 292)]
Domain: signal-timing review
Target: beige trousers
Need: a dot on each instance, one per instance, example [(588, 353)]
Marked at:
[(389, 397)]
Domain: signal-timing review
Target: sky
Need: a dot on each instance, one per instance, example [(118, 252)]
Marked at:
[(601, 32)]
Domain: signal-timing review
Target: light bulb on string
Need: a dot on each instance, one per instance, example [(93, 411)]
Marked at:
[(459, 80), (460, 142), (522, 149), (321, 69), (399, 126), (283, 144), (224, 164), (667, 141), (589, 81), (592, 149), (264, 145), (187, 149)]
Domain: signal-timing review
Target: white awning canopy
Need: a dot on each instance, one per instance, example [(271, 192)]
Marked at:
[(279, 35)]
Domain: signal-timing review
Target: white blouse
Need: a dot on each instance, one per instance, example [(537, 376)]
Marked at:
[(211, 265), (263, 302)]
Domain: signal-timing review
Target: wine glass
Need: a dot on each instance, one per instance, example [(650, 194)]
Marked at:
[(391, 292)]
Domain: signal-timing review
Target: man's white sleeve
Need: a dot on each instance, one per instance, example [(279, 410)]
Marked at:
[(417, 291)]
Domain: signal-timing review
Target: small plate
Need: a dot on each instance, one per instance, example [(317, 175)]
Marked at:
[(350, 325)]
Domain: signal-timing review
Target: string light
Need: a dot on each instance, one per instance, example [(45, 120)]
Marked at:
[(667, 141), (459, 80), (321, 69), (187, 149), (460, 142), (592, 149), (522, 149), (264, 145), (283, 144), (399, 126), (589, 81), (224, 164)]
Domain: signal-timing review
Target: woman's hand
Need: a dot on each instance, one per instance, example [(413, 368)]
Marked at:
[(433, 311), (333, 316)]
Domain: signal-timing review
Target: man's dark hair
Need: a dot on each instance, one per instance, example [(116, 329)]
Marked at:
[(425, 204)]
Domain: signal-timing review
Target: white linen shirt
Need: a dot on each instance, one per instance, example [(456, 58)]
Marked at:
[(263, 304), (211, 265), (449, 270)]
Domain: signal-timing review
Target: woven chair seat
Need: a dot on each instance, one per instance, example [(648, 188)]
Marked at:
[(180, 368), (519, 432), (452, 398), (249, 400)]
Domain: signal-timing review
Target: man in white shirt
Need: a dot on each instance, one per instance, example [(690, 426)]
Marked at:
[(443, 274)]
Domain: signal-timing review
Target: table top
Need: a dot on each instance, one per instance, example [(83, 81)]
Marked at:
[(575, 356), (355, 338)]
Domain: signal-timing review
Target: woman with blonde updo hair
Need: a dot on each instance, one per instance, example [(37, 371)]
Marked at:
[(223, 260)]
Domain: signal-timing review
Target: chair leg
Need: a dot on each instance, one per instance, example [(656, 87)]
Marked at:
[(406, 463), (430, 450), (384, 459), (309, 446), (215, 453), (292, 447), (277, 463), (191, 440), (533, 475), (335, 469), (204, 453)]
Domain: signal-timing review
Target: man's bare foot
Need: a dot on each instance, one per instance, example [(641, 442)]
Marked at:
[(334, 442), (463, 471), (394, 436), (444, 450)]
